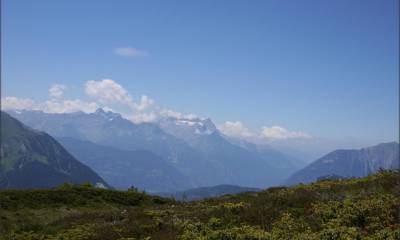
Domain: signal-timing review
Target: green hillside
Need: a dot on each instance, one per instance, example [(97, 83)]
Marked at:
[(33, 159), (365, 208)]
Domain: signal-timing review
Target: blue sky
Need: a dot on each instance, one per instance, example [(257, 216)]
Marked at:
[(325, 68)]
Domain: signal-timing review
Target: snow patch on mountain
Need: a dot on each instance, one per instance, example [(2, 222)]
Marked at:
[(109, 115), (187, 128)]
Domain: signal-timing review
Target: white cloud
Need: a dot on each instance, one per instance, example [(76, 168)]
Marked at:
[(57, 90), (280, 133), (170, 113), (130, 52), (239, 130), (106, 94), (68, 106), (145, 102), (191, 116), (173, 114), (235, 129), (14, 103), (49, 106), (107, 91), (140, 117), (109, 94)]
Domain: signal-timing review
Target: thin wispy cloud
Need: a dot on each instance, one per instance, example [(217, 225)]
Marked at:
[(131, 52)]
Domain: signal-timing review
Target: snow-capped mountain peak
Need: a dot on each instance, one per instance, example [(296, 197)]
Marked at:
[(187, 128), (197, 125), (109, 115)]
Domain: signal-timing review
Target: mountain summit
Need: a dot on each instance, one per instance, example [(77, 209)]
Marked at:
[(351, 163), (187, 128), (109, 115)]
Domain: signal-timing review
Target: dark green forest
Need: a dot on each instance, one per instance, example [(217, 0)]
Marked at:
[(358, 208)]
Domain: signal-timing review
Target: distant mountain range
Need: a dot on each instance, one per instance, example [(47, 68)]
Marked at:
[(233, 163), (208, 192), (111, 129), (350, 163), (284, 163), (194, 147), (123, 169), (170, 155), (33, 159)]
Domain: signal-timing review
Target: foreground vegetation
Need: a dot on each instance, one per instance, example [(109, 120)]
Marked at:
[(365, 208)]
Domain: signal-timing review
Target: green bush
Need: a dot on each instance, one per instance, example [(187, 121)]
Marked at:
[(359, 208)]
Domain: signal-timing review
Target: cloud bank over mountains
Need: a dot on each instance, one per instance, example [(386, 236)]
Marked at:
[(111, 96), (235, 129), (239, 130), (277, 132), (49, 106)]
